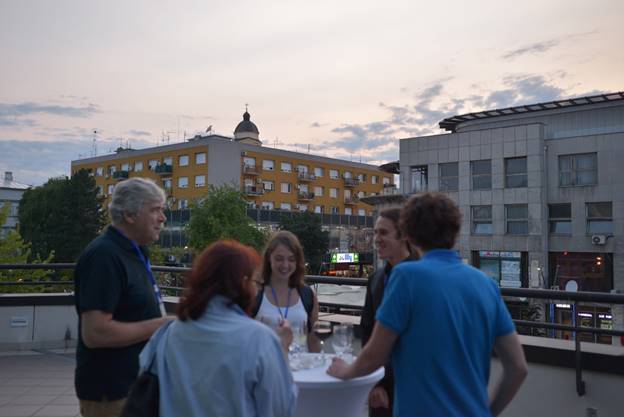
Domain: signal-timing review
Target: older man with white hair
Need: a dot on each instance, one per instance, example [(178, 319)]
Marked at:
[(118, 302)]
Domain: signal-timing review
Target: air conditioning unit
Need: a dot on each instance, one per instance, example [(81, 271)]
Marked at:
[(599, 239)]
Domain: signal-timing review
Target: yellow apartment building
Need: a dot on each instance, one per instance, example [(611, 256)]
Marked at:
[(270, 178)]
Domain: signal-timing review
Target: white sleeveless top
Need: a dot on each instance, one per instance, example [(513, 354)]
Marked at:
[(269, 313)]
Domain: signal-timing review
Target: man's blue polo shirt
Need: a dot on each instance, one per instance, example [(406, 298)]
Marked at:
[(447, 315)]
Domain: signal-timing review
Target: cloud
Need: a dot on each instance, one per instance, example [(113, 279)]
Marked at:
[(533, 48), (139, 133), (28, 108), (524, 89), (315, 124), (15, 122)]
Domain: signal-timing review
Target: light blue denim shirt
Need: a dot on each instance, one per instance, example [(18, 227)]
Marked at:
[(223, 364)]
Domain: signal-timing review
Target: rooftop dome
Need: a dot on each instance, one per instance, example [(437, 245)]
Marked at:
[(246, 125)]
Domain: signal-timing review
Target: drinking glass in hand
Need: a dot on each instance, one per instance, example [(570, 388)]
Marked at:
[(342, 339), (322, 330)]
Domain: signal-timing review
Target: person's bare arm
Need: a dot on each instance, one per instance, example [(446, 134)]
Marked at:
[(314, 344), (375, 354), (99, 330), (509, 350)]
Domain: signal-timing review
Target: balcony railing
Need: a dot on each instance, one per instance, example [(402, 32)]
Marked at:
[(305, 196), (251, 170), (305, 176), (253, 191), (351, 182), (121, 175), (163, 169), (351, 200)]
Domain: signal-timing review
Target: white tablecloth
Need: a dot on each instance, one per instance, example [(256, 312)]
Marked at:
[(326, 396)]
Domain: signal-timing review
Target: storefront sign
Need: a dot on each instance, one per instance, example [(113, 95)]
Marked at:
[(345, 258)]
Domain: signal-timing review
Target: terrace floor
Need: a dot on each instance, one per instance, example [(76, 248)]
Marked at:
[(38, 384)]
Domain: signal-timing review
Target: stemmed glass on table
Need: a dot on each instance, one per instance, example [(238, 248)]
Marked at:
[(322, 330)]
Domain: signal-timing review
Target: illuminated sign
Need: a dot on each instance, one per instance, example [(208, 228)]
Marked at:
[(345, 258)]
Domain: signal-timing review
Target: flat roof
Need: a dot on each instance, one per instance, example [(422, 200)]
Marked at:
[(450, 123)]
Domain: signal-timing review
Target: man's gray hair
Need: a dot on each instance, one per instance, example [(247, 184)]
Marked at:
[(130, 195)]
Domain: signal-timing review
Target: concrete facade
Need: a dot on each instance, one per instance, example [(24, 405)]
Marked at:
[(541, 137)]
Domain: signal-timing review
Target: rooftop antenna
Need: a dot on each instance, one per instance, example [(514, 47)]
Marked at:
[(94, 145)]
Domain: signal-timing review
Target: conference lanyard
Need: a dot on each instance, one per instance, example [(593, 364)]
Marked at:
[(150, 274), (284, 315)]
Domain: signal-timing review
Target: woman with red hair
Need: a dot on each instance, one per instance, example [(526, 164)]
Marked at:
[(215, 360)]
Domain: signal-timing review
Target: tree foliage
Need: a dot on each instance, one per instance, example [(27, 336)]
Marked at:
[(315, 241), (62, 216), (13, 250), (222, 214)]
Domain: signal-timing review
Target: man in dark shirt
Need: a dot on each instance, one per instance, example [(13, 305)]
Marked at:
[(393, 248), (118, 302)]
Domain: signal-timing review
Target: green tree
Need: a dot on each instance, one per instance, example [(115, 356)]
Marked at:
[(315, 241), (13, 250), (222, 214), (62, 216)]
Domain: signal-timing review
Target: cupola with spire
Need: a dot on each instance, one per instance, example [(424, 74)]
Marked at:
[(246, 131)]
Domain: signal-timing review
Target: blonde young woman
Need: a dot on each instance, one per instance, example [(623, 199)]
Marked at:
[(284, 295)]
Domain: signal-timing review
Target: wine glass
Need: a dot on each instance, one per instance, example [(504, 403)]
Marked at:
[(342, 339), (322, 330)]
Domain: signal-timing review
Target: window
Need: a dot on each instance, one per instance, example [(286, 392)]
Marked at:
[(183, 160), (168, 160), (347, 194), (285, 187), (318, 209), (599, 218), (182, 204), (125, 167), (333, 174), (418, 175), (334, 210), (167, 184), (481, 173), (386, 180), (303, 188), (374, 179), (318, 191), (152, 164), (449, 177), (99, 171), (360, 194), (249, 182), (578, 170), (302, 207), (112, 169), (267, 205), (268, 185), (516, 172), (110, 189), (361, 212), (268, 165), (183, 182), (517, 216), (348, 174), (200, 180), (560, 219), (481, 220), (286, 167), (302, 168), (200, 158), (249, 161), (348, 211), (361, 177), (138, 166), (285, 206), (333, 192), (319, 172)]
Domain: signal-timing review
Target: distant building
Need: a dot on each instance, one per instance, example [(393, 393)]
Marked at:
[(11, 193), (272, 180), (541, 190)]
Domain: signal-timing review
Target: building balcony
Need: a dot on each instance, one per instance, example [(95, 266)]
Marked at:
[(351, 201), (305, 196), (121, 175), (163, 169), (251, 170), (305, 177), (253, 191), (351, 182)]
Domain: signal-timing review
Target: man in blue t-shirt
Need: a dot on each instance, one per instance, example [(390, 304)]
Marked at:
[(440, 320)]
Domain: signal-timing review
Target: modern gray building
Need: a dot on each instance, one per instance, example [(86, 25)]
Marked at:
[(10, 193), (541, 191)]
